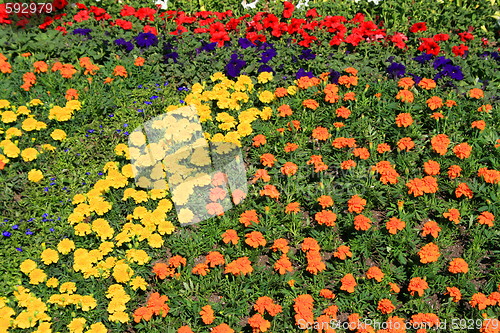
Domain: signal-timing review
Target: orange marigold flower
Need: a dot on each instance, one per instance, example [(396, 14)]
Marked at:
[(346, 165), (289, 169), (310, 244), (406, 144), (356, 204), (176, 261), (462, 150), (261, 174), (338, 125), (404, 120), (406, 82), (417, 285), (280, 244), (479, 124), (348, 283), (490, 176), (476, 93), (249, 216), (432, 168), (376, 273), (41, 67), (454, 293), (344, 142), (348, 81), (350, 96), (431, 228), (71, 94), (280, 92), (320, 133), (427, 319), (494, 298), (258, 323), (222, 328), (385, 306), (266, 303), (458, 265), (200, 269), (486, 218), (362, 153), (434, 103), (311, 104), (427, 84), (259, 140), (214, 208), (405, 96), (362, 222), (378, 95), (325, 201), (215, 258), (67, 71), (267, 159), (289, 147), (453, 215), (303, 306), (343, 251), (387, 172), (108, 80), (485, 108), (394, 287), (463, 190), (326, 217), (255, 239), (143, 313), (429, 253), (283, 265), (454, 171), (327, 293), (240, 266), (480, 301), (185, 329), (162, 270), (207, 314), (343, 112), (139, 61), (394, 225), (450, 103), (440, 143), (437, 115), (292, 207), (285, 110), (383, 147), (351, 70), (314, 262), (230, 236), (120, 71)]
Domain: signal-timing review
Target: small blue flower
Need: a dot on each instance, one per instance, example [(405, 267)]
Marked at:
[(153, 97), (140, 110), (83, 32), (15, 227), (111, 115), (51, 229), (28, 232), (19, 249), (148, 102), (6, 234), (125, 125)]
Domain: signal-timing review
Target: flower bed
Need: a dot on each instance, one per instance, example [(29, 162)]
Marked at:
[(370, 160)]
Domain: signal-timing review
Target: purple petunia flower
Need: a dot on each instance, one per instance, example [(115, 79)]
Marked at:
[(307, 55), (267, 55), (233, 68), (83, 32), (122, 42), (146, 39), (301, 72), (441, 61), (423, 58), (207, 46), (396, 70), (454, 72), (171, 55), (265, 68), (334, 77), (416, 78), (245, 43)]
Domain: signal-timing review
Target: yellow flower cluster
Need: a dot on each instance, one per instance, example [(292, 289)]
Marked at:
[(117, 304), (64, 113), (34, 314)]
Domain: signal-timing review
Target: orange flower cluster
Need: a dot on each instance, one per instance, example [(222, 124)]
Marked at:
[(207, 314), (405, 96), (326, 217), (270, 191), (362, 153), (440, 143), (310, 104), (406, 144), (280, 244), (29, 80), (346, 165), (120, 71), (261, 174), (267, 159), (425, 319), (156, 305), (453, 215), (230, 236), (418, 186), (326, 293), (331, 93), (67, 70), (163, 270), (319, 165), (462, 150), (255, 239), (343, 251), (325, 201), (283, 265), (320, 133), (314, 262), (249, 216), (387, 172), (259, 140), (454, 171), (490, 176), (356, 204), (458, 265), (258, 323), (429, 253), (289, 147), (89, 67), (463, 190), (292, 207), (434, 103), (480, 301), (303, 307), (213, 258), (432, 168), (5, 67), (306, 82), (454, 293), (343, 112), (266, 303), (417, 285), (348, 283), (240, 266), (385, 306), (344, 142)]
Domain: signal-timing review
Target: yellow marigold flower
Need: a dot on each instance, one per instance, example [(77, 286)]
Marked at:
[(49, 256), (119, 316), (12, 132), (138, 283), (292, 90), (29, 154), (265, 77), (48, 147), (74, 104), (266, 113), (23, 110), (217, 76), (67, 287), (77, 325), (37, 276), (52, 282), (8, 117), (58, 135), (165, 227), (140, 196), (4, 103), (27, 266), (78, 198), (82, 229), (106, 247), (244, 129), (35, 102), (102, 228), (122, 272), (10, 149), (87, 303), (266, 96), (35, 175), (66, 246), (155, 240)]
